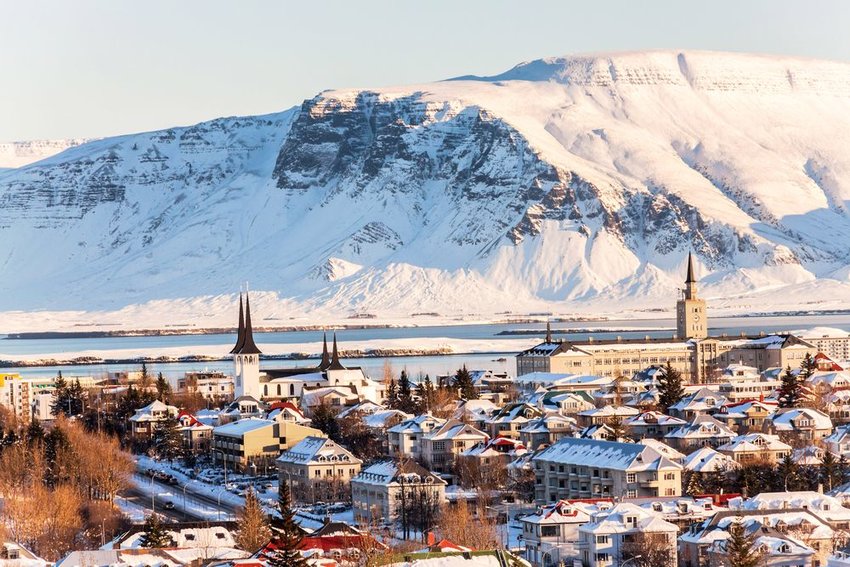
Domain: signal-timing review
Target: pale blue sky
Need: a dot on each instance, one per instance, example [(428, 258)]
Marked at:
[(97, 68)]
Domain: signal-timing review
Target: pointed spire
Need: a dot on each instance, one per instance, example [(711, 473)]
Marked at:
[(335, 363), (690, 278), (240, 333), (326, 360), (248, 346), (548, 332)]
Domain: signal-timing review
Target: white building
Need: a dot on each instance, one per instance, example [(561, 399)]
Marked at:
[(381, 489), (405, 439), (624, 531)]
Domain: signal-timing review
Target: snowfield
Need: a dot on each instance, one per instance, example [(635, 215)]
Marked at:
[(572, 185)]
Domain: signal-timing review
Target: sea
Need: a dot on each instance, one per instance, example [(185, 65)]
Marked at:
[(497, 358)]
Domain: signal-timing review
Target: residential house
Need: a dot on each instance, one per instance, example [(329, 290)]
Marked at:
[(627, 530), (756, 447), (587, 468), (380, 490), (651, 425), (546, 430), (444, 444), (509, 420), (805, 425), (550, 535), (703, 401), (703, 431), (606, 414), (744, 417), (317, 468), (145, 422), (707, 461), (405, 439), (213, 386), (197, 436)]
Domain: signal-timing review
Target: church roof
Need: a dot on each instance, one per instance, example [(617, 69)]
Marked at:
[(335, 364), (326, 361), (247, 345), (240, 336), (690, 278)]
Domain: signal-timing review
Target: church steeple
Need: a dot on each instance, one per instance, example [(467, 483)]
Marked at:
[(240, 334), (691, 314), (690, 280), (248, 346), (335, 363), (326, 361)]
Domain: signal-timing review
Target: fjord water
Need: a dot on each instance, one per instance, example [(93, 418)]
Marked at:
[(433, 365)]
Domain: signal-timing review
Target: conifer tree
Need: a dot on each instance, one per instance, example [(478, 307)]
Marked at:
[(392, 394), (787, 474), (156, 535), (405, 394), (252, 524), (60, 391), (463, 382), (35, 433), (169, 439), (324, 419), (163, 388), (287, 535), (55, 443), (670, 388), (426, 394), (790, 391), (740, 547), (830, 472)]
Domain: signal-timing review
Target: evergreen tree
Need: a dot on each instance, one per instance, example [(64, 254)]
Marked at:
[(76, 397), (842, 470), (405, 394), (55, 443), (324, 419), (787, 475), (144, 378), (618, 430), (670, 388), (694, 485), (35, 433), (60, 394), (156, 535), (426, 394), (463, 382), (790, 391), (169, 440), (287, 535), (163, 388), (252, 524), (740, 547), (807, 367), (830, 472), (392, 394)]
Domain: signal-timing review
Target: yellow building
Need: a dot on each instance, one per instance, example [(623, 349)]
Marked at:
[(254, 442)]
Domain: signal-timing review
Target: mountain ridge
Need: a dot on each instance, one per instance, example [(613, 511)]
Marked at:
[(567, 184)]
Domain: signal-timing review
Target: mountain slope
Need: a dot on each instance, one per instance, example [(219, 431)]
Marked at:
[(19, 154), (565, 184)]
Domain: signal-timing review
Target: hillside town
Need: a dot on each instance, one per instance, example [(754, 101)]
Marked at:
[(691, 451)]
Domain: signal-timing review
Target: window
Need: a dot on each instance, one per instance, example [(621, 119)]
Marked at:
[(630, 477), (669, 476), (601, 557), (602, 539)]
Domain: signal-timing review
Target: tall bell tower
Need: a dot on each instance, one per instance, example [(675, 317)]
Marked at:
[(691, 314), (246, 356)]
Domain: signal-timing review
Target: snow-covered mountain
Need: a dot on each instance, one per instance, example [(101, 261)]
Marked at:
[(18, 154), (573, 184)]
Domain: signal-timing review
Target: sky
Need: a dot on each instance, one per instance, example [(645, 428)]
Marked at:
[(92, 68)]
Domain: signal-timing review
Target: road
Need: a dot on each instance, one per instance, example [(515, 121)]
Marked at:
[(188, 505)]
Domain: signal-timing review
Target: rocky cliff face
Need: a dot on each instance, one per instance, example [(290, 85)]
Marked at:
[(562, 184)]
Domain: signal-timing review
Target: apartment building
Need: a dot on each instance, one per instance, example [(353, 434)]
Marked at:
[(213, 386), (256, 442), (507, 421), (443, 445), (703, 431), (551, 535), (405, 439), (588, 468), (651, 425), (318, 469), (546, 430)]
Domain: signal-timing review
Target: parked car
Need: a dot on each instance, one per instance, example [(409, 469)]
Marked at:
[(169, 505)]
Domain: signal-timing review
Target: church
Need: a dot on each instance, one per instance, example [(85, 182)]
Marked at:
[(699, 357), (329, 382)]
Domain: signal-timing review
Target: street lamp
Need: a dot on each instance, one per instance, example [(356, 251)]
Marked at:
[(635, 558)]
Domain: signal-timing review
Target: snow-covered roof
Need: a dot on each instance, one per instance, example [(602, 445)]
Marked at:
[(826, 506), (701, 400), (419, 424), (789, 419), (611, 411), (754, 442), (627, 517), (605, 454), (706, 460), (241, 427), (702, 427), (316, 450), (653, 418), (380, 419), (155, 411), (454, 429), (663, 449), (390, 472)]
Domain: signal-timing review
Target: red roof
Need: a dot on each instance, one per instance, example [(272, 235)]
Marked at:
[(193, 422), (285, 405)]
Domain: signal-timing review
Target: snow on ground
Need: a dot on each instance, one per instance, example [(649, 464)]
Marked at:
[(453, 561)]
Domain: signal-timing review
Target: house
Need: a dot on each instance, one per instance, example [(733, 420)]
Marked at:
[(565, 403), (331, 545), (587, 468), (381, 489), (744, 417), (703, 401), (800, 424), (778, 535), (286, 411), (337, 398), (317, 468), (829, 508), (651, 424), (145, 422), (405, 439), (550, 535), (703, 431), (444, 444), (606, 414), (491, 455), (627, 530), (243, 407), (546, 430), (755, 447), (475, 412), (16, 555), (256, 442), (707, 460), (839, 442), (213, 386), (664, 449), (509, 420), (197, 436)]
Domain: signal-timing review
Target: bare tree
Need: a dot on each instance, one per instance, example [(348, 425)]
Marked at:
[(648, 549), (459, 525)]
